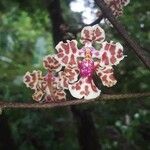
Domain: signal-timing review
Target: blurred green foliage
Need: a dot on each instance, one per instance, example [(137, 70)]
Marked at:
[(25, 37)]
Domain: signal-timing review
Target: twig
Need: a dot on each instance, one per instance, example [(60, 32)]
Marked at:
[(104, 97), (124, 34)]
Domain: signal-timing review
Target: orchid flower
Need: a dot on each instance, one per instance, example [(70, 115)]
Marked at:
[(46, 87), (86, 61), (72, 68), (116, 7)]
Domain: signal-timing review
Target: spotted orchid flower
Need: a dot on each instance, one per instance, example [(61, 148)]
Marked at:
[(72, 68), (116, 7), (81, 64), (46, 88)]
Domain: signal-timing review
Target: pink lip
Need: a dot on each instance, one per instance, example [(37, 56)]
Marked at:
[(86, 68)]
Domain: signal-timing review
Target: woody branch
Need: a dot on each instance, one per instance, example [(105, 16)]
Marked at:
[(103, 97)]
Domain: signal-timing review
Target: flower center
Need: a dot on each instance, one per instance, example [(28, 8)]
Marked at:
[(86, 66)]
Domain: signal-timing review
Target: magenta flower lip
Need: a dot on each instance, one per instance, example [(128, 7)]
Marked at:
[(86, 68)]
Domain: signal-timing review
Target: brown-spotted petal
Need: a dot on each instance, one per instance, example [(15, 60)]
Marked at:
[(68, 75), (31, 79), (98, 34), (84, 88), (38, 95), (106, 75), (51, 63), (111, 54), (67, 52), (86, 34), (92, 34)]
